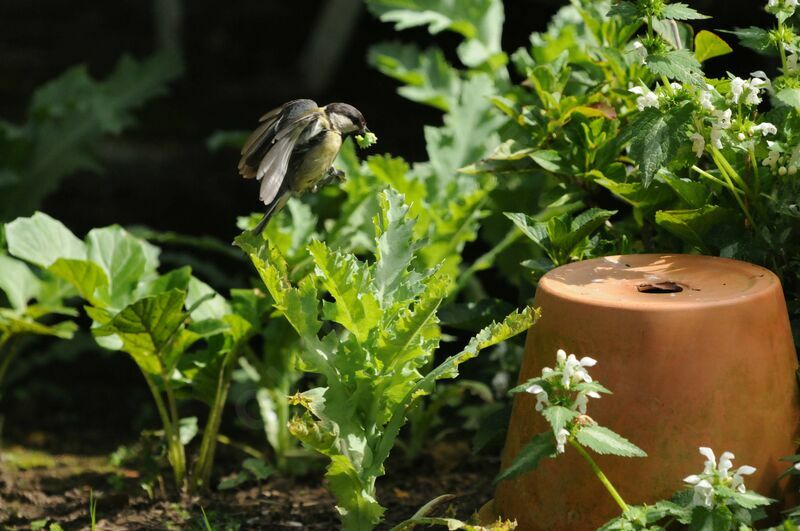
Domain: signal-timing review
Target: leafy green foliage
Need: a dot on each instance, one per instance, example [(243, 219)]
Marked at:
[(66, 117), (372, 364), (656, 138), (604, 441), (541, 446), (156, 319)]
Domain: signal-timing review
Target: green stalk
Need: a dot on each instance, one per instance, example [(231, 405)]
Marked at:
[(5, 356), (756, 175), (720, 159), (205, 459), (722, 170), (175, 435), (780, 48), (175, 453), (599, 473), (710, 177)]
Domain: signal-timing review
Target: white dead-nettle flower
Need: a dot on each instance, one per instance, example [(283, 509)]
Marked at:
[(738, 482), (750, 89), (792, 169), (640, 52), (541, 396), (765, 128), (716, 137), (698, 144), (723, 118), (782, 171), (573, 370), (646, 97), (716, 474), (772, 158), (582, 400), (703, 491), (741, 136), (705, 98), (561, 440)]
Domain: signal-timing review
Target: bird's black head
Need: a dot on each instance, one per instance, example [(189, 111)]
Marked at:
[(345, 118)]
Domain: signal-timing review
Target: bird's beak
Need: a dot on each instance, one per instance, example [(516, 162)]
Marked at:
[(365, 130)]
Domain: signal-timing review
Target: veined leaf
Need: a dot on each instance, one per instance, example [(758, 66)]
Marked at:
[(543, 445), (348, 281), (755, 38), (42, 240), (675, 64), (87, 277), (693, 224), (656, 137), (123, 259), (604, 441), (394, 248), (558, 417), (148, 327), (428, 77), (681, 11)]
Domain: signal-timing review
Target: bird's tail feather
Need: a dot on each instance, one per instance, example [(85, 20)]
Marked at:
[(271, 209)]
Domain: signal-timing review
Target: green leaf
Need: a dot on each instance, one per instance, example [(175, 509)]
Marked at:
[(716, 519), (558, 417), (258, 468), (789, 96), (480, 22), (124, 260), (148, 329), (187, 429), (675, 64), (751, 499), (755, 38), (214, 307), (348, 281), (18, 282), (547, 159), (394, 247), (694, 224), (681, 11), (656, 138), (87, 277), (708, 45), (604, 441), (691, 192), (428, 77), (543, 445), (42, 240)]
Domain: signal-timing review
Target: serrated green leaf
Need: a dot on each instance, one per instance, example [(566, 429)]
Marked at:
[(604, 441), (681, 11), (541, 446), (716, 519), (480, 22), (692, 225), (42, 240), (625, 10), (675, 64), (789, 96), (751, 499), (755, 38), (428, 77), (708, 45), (348, 281), (656, 137), (394, 248), (558, 417)]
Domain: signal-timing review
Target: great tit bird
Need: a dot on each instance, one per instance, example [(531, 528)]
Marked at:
[(293, 149)]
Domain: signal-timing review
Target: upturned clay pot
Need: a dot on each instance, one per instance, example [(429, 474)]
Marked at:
[(697, 352)]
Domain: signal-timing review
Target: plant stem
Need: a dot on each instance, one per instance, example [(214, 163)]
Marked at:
[(5, 356), (721, 166), (205, 459), (710, 177), (756, 175), (780, 47), (175, 434), (599, 473), (177, 458)]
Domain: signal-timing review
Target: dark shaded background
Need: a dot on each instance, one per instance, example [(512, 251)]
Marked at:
[(241, 59)]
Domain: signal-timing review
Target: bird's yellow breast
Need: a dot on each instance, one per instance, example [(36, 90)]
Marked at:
[(316, 162)]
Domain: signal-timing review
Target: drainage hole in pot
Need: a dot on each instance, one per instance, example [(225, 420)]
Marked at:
[(659, 287)]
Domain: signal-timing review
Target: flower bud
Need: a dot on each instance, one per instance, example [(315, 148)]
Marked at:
[(782, 171)]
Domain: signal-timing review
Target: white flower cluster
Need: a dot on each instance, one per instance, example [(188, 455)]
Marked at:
[(748, 92), (776, 6), (715, 474), (648, 98), (783, 164), (568, 372)]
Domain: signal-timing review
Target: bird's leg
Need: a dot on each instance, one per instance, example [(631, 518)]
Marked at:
[(332, 174)]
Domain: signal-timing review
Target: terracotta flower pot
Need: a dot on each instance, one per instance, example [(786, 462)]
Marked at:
[(710, 365)]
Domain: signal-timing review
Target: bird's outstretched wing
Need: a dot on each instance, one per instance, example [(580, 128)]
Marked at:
[(267, 151)]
